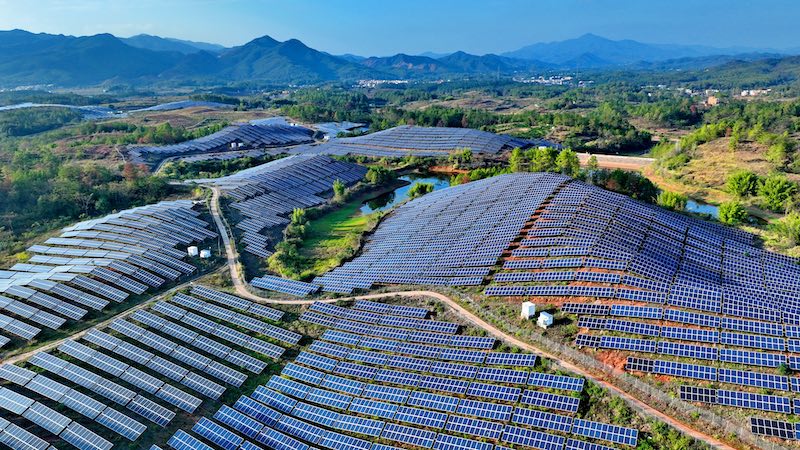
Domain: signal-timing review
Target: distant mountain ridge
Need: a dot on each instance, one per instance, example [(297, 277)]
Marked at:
[(591, 50), (67, 61), (161, 44)]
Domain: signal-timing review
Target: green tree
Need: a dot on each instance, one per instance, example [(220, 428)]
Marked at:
[(298, 216), (592, 165), (671, 200), (732, 213), (516, 161), (338, 189), (568, 163), (742, 183), (379, 175), (775, 191), (420, 189), (542, 159)]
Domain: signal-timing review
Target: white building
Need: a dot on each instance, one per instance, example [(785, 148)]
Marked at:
[(205, 253), (545, 320), (193, 251), (528, 311)]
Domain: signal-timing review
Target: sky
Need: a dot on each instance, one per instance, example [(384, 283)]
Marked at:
[(384, 27)]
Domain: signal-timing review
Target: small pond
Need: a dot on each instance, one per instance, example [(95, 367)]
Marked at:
[(694, 206), (389, 199)]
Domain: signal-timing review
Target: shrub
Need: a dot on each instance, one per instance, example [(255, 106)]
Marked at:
[(671, 200), (742, 183), (732, 213), (420, 189), (776, 191), (338, 189), (379, 175), (789, 227)]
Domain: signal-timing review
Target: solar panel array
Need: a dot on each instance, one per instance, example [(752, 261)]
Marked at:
[(245, 136), (95, 263), (450, 237), (153, 364), (342, 393), (421, 141), (265, 195), (695, 299)]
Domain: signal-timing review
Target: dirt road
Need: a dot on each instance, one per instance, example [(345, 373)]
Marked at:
[(617, 161)]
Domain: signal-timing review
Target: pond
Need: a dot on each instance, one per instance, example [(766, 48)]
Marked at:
[(389, 199), (694, 206)]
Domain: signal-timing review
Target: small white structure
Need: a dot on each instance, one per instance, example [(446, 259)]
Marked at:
[(545, 320), (528, 311), (205, 253), (192, 251)]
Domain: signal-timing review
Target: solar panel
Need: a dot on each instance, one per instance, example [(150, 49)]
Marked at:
[(750, 400), (550, 401), (772, 428), (606, 432), (532, 438)]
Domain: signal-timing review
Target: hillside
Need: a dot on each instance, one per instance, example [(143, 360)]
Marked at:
[(27, 58), (67, 61), (594, 51), (160, 44)]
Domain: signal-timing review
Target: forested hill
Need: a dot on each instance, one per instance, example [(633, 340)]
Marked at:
[(66, 61)]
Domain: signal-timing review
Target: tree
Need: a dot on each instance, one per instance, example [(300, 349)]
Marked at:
[(420, 189), (732, 213), (298, 216), (671, 200), (568, 163), (516, 160), (463, 156), (742, 183), (592, 165), (775, 191), (542, 159), (338, 189), (379, 175)]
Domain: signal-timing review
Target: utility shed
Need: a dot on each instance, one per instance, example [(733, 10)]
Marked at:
[(528, 311)]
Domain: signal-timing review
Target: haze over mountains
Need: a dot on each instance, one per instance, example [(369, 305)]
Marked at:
[(40, 59)]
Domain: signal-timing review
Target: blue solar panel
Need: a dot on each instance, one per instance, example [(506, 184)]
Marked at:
[(532, 438), (606, 432), (474, 427), (217, 434), (542, 419), (550, 401)]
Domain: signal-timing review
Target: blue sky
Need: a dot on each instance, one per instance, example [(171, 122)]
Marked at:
[(382, 27)]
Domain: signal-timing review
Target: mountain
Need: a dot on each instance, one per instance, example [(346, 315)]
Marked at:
[(68, 61), (458, 63), (403, 65), (467, 63), (28, 58), (286, 62), (433, 55), (594, 51), (160, 44), (351, 57)]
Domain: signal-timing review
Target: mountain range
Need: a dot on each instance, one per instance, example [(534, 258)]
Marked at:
[(46, 59)]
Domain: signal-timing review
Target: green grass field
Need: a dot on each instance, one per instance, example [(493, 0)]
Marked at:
[(333, 237)]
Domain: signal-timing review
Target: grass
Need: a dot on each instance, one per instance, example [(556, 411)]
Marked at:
[(333, 237)]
